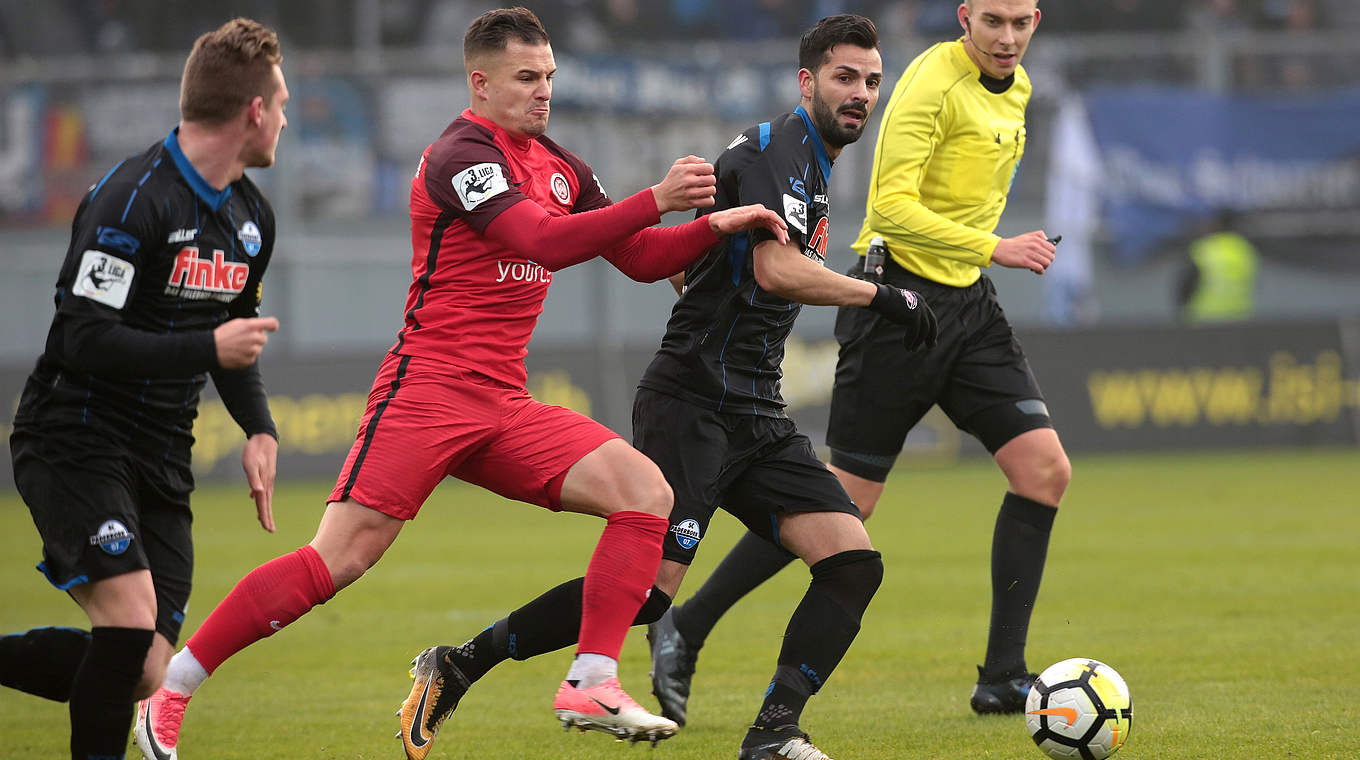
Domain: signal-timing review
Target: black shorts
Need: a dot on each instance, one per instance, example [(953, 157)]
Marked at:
[(103, 512), (754, 467), (978, 375)]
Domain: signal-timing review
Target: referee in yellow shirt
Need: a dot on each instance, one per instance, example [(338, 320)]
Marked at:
[(951, 139)]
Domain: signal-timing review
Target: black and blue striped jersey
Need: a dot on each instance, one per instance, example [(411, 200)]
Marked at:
[(158, 258), (725, 339)]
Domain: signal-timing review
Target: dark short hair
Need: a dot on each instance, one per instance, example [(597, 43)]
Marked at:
[(227, 68), (846, 28), (492, 31)]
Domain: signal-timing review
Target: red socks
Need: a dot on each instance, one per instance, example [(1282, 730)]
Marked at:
[(621, 572), (270, 597)]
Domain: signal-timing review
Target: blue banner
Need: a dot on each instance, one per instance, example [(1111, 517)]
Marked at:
[(1172, 157)]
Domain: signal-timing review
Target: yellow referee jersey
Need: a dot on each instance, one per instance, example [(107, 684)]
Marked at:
[(946, 155)]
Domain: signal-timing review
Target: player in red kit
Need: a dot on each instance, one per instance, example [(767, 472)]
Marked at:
[(496, 208)]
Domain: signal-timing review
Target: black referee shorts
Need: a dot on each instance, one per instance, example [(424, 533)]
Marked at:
[(104, 512), (978, 375), (753, 467)]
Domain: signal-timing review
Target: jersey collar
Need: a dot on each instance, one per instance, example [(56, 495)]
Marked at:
[(818, 147), (208, 193), (496, 129)]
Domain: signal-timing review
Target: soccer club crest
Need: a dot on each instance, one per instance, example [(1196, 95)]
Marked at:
[(251, 239), (113, 537), (560, 189)]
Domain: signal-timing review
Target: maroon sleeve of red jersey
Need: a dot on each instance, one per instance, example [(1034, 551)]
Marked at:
[(466, 175)]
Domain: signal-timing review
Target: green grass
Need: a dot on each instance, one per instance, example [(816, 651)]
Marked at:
[(1224, 587)]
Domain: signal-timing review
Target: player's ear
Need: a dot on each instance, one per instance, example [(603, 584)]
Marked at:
[(477, 83), (255, 111), (807, 82)]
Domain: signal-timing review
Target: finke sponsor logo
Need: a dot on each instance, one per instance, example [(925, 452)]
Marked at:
[(521, 271), (113, 537), (816, 245), (103, 278), (194, 278), (687, 533)]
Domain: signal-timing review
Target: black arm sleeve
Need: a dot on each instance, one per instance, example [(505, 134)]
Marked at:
[(112, 349), (242, 392)]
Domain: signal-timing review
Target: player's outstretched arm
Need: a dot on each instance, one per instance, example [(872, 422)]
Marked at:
[(659, 252), (1032, 251), (755, 216), (689, 184), (784, 271)]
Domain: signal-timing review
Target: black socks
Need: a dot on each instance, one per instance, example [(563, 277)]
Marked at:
[(43, 661), (820, 632), (546, 624), (1019, 549), (102, 695)]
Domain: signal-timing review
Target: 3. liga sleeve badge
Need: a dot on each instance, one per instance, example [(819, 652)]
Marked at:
[(477, 183)]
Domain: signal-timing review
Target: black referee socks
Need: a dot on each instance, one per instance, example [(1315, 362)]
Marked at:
[(102, 696), (820, 632), (1019, 549)]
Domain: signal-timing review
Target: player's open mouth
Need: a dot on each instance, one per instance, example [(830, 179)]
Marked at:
[(854, 114), (1004, 58)]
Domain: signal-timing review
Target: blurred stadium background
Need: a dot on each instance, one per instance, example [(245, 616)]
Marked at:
[(1150, 118)]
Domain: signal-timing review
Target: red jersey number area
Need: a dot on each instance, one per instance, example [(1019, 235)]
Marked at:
[(426, 421)]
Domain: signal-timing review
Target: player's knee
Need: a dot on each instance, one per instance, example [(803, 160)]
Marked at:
[(1043, 477), (348, 570), (1052, 473), (657, 603), (851, 577), (653, 495)]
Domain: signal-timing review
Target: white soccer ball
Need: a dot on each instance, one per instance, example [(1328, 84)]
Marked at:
[(1079, 708)]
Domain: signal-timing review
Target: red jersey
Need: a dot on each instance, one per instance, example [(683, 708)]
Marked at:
[(473, 303)]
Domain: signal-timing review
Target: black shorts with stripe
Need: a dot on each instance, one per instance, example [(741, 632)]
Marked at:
[(978, 374)]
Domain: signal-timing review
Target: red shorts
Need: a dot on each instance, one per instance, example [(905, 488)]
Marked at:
[(426, 419)]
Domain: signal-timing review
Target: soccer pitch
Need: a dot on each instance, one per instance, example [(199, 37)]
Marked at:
[(1224, 587)]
